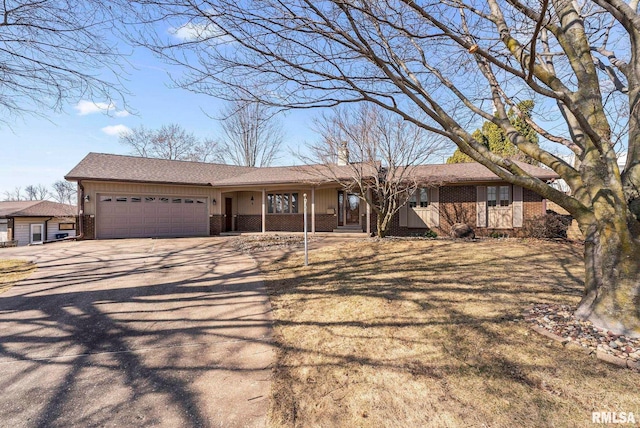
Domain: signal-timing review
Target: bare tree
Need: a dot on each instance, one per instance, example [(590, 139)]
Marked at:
[(169, 142), (64, 192), (51, 51), (252, 135), (14, 195), (447, 66), (36, 192), (380, 152)]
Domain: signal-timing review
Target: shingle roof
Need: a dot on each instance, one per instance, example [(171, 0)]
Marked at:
[(290, 174), (36, 209), (101, 166), (473, 171)]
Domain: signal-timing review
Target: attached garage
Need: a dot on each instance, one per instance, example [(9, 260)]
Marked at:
[(144, 216)]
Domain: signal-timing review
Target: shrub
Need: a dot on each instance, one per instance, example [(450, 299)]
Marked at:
[(430, 234), (498, 235), (548, 226)]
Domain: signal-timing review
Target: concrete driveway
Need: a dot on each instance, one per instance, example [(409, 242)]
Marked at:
[(145, 332)]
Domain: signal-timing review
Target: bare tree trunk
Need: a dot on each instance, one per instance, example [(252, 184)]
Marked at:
[(612, 281), (380, 227)]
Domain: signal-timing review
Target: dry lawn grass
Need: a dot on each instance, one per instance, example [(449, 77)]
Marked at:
[(430, 333), (12, 271)]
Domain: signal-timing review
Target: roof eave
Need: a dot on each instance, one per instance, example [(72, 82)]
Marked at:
[(120, 180)]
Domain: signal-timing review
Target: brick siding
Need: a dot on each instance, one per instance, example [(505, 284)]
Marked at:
[(216, 223), (249, 223), (326, 222), (286, 223), (458, 205), (89, 227), (533, 206)]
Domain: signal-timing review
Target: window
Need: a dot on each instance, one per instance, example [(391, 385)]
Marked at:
[(282, 203), (200, 201), (66, 226), (165, 200), (419, 198), (413, 200), (136, 199), (504, 196), (424, 197), (491, 196), (188, 201), (176, 200), (270, 203), (498, 196), (121, 199), (106, 198), (149, 199)]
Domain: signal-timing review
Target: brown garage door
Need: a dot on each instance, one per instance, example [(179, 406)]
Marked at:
[(150, 216)]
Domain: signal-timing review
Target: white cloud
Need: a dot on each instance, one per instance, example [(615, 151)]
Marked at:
[(191, 32), (116, 130), (85, 107)]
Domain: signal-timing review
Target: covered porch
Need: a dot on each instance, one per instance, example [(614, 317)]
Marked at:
[(280, 208)]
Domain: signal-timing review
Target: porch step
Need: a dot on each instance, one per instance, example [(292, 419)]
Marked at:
[(350, 230)]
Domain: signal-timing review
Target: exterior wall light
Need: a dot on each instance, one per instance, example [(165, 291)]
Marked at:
[(214, 201)]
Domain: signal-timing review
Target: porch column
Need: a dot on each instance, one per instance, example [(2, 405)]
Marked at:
[(264, 210), (368, 212), (313, 210)]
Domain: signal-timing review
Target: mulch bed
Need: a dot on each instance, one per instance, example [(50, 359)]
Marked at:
[(558, 320)]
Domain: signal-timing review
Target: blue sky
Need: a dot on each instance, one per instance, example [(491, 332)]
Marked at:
[(37, 150)]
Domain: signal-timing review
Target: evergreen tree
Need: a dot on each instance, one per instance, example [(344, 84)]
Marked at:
[(494, 138)]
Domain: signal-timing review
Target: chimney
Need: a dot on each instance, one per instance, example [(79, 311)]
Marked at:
[(343, 154)]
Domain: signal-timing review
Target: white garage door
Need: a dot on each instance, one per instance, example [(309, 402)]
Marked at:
[(150, 216)]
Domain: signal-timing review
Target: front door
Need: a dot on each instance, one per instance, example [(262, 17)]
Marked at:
[(36, 235), (228, 214), (348, 209), (499, 209)]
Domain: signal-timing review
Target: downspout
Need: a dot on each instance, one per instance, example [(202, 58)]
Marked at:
[(46, 229)]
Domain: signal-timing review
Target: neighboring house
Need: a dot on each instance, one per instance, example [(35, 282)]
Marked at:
[(34, 222), (126, 196)]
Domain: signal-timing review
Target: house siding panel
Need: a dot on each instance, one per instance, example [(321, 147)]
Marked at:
[(325, 199), (458, 204), (53, 228), (22, 228), (247, 207)]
